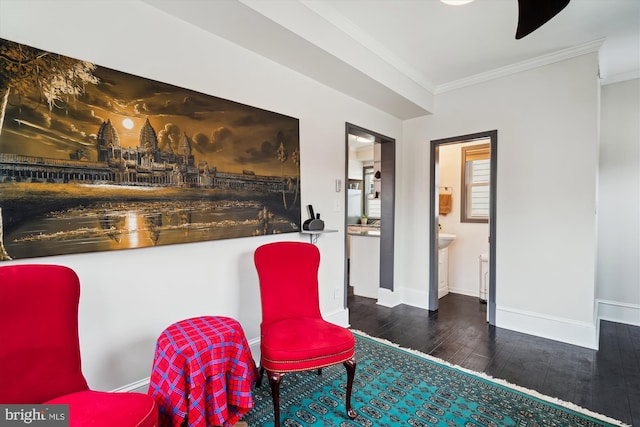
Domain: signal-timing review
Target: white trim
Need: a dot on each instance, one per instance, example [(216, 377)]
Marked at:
[(340, 317), (408, 296), (620, 77), (570, 331), (504, 383), (618, 312), (133, 386), (415, 298), (254, 346), (443, 291), (388, 298), (529, 64), (465, 291)]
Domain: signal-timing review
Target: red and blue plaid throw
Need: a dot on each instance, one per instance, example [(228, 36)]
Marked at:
[(203, 369)]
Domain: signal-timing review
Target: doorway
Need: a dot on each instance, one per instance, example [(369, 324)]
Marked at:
[(381, 193), (434, 197)]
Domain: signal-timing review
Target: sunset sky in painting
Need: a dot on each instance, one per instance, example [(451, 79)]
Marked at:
[(225, 134)]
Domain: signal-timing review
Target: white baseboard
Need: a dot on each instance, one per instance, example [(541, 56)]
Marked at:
[(464, 291), (387, 298), (443, 291), (413, 297), (408, 296), (254, 346), (416, 298), (134, 386), (582, 334), (340, 317), (618, 312)]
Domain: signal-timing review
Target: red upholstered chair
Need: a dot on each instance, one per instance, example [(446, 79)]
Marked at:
[(40, 350), (293, 335)]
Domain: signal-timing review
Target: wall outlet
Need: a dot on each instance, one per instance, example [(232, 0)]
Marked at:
[(336, 293)]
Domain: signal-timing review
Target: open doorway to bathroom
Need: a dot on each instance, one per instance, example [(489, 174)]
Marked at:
[(462, 221), (369, 213)]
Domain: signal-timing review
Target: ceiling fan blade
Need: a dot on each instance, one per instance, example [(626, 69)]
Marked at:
[(533, 14)]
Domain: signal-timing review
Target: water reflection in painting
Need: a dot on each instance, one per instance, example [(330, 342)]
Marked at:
[(110, 226), (86, 222)]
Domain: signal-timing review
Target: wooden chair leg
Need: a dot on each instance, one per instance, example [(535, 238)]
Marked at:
[(274, 383), (351, 373), (260, 375)]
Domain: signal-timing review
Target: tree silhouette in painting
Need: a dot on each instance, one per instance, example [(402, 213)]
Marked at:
[(58, 79), (265, 219), (295, 158), (282, 156)]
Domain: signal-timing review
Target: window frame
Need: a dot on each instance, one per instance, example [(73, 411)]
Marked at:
[(470, 153), (368, 191)]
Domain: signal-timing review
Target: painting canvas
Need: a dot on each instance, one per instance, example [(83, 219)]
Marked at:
[(94, 159)]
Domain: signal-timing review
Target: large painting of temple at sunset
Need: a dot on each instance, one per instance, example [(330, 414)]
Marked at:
[(94, 159)]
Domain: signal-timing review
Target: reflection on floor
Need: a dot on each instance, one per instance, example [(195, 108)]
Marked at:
[(605, 381)]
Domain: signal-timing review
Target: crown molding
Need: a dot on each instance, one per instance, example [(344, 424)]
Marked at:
[(518, 67), (620, 77)]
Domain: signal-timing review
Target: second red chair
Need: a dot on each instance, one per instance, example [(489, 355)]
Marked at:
[(293, 335)]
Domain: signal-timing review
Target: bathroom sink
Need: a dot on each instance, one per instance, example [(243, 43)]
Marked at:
[(445, 239)]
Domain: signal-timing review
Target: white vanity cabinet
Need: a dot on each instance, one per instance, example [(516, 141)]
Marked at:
[(364, 263), (443, 272)]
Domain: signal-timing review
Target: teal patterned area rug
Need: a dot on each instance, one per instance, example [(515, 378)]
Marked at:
[(397, 387)]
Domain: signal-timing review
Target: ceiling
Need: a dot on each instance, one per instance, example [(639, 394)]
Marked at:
[(396, 55)]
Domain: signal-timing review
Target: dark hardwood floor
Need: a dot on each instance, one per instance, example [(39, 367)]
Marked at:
[(606, 381)]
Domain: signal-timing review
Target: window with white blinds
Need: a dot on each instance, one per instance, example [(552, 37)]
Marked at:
[(476, 176), (374, 207)]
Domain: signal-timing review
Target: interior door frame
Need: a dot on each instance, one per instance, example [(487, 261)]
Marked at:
[(434, 178), (388, 185)]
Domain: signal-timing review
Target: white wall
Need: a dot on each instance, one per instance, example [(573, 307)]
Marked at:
[(547, 122), (358, 158), (471, 237), (618, 270), (129, 297)]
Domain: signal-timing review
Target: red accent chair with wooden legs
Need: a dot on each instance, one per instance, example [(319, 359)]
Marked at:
[(40, 350), (293, 335)]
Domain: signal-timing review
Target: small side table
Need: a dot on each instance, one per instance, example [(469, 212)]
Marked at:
[(203, 372)]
